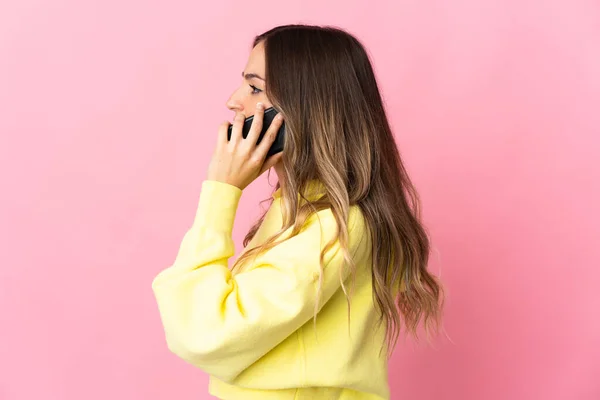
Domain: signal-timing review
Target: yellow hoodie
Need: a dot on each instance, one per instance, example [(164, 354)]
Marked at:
[(252, 331)]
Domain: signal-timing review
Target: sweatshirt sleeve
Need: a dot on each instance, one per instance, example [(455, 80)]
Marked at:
[(223, 323)]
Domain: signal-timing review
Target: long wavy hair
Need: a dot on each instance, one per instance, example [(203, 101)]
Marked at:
[(337, 131)]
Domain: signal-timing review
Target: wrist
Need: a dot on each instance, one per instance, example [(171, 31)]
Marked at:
[(218, 204)]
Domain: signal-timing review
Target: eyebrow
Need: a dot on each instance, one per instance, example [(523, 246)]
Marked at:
[(252, 75)]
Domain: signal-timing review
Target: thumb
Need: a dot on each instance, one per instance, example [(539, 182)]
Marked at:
[(271, 161)]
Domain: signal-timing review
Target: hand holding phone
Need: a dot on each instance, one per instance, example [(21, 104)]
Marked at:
[(241, 164), (269, 115)]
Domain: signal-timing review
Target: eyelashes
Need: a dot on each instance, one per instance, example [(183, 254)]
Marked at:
[(255, 90)]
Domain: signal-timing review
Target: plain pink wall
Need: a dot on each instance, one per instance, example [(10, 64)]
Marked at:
[(108, 111)]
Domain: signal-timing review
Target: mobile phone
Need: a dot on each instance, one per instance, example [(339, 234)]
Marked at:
[(269, 115)]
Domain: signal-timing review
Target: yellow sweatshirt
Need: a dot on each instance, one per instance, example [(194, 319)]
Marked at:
[(253, 331)]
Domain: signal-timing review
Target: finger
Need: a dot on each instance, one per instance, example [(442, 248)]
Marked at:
[(265, 144), (222, 135), (270, 162), (257, 123), (238, 124)]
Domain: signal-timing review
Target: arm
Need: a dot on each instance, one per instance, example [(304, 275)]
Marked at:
[(222, 323)]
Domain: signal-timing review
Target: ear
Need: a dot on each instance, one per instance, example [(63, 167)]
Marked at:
[(270, 162)]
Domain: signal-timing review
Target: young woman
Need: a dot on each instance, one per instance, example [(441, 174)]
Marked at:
[(313, 306)]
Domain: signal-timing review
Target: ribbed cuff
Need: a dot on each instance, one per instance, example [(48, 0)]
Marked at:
[(217, 205)]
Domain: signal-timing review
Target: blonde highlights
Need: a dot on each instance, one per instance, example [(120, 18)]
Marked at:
[(337, 132)]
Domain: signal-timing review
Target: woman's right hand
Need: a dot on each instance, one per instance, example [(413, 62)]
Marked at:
[(240, 161)]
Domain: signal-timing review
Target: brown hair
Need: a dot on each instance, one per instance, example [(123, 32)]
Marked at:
[(337, 131)]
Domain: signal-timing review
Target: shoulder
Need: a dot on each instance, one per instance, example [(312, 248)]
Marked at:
[(324, 223)]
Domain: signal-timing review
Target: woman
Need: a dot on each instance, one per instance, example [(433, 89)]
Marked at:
[(313, 307)]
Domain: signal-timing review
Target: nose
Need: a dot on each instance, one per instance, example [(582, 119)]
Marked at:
[(233, 104)]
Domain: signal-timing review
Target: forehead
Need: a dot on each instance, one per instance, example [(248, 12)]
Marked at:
[(256, 60)]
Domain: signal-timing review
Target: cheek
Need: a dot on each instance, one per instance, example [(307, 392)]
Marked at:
[(263, 99), (244, 97), (248, 101), (251, 101), (249, 106)]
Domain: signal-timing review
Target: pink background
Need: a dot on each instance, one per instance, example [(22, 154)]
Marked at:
[(108, 112)]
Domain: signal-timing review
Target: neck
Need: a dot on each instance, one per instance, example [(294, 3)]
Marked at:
[(280, 173)]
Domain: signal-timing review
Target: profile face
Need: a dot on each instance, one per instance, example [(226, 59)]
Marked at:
[(252, 89)]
